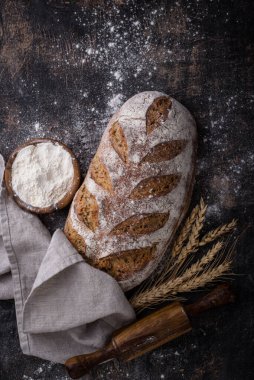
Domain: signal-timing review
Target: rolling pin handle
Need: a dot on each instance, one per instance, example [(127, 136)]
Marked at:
[(80, 365), (219, 296)]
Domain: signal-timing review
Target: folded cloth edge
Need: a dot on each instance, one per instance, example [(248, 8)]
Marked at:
[(61, 256)]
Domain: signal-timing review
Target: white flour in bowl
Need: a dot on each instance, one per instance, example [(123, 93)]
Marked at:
[(42, 174)]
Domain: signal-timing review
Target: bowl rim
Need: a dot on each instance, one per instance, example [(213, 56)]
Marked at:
[(67, 198)]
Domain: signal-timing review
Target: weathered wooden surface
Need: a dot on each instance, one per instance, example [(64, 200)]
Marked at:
[(65, 66)]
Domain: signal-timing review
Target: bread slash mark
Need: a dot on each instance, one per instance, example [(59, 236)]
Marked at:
[(121, 265), (141, 224), (86, 208), (157, 113), (119, 141), (155, 186), (165, 151), (100, 174)]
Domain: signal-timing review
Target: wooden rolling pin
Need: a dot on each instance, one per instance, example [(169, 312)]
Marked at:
[(150, 332)]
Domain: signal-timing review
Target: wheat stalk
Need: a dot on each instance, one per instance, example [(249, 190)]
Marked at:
[(204, 278), (168, 290), (217, 232), (191, 229), (193, 241), (179, 277), (155, 294), (200, 264), (178, 244)]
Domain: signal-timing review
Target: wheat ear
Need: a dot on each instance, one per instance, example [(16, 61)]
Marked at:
[(176, 277), (217, 232), (195, 268), (200, 264), (178, 244), (204, 278), (169, 289), (190, 231), (193, 241)]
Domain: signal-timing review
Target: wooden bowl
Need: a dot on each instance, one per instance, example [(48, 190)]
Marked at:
[(68, 196)]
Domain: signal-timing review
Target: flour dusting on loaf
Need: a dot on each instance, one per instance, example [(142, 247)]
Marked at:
[(137, 188)]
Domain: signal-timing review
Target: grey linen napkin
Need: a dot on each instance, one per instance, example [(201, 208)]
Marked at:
[(64, 306)]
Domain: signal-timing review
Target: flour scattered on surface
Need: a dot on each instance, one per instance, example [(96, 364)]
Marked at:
[(213, 210), (38, 371), (223, 163), (126, 52), (37, 126), (114, 103)]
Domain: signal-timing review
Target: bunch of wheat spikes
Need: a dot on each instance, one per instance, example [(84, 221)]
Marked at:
[(181, 274)]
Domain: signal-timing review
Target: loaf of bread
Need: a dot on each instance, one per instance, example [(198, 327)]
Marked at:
[(137, 188)]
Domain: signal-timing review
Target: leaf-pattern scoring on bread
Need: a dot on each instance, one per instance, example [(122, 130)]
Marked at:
[(118, 141), (141, 224), (157, 113), (155, 186), (100, 174), (121, 264), (165, 151), (136, 189), (87, 208)]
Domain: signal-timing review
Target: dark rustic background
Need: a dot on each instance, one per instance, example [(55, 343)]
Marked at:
[(66, 66)]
